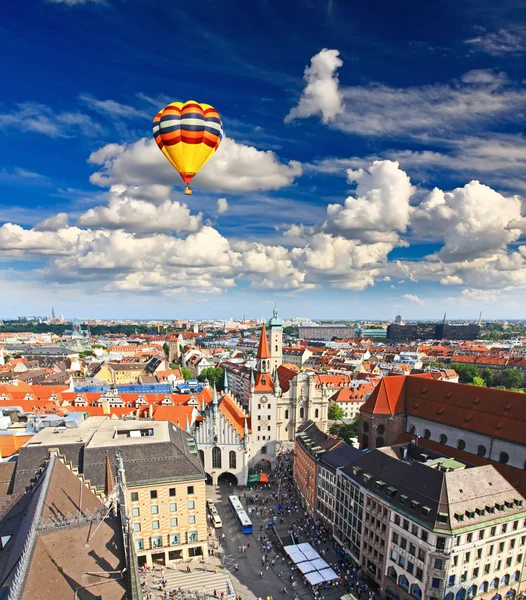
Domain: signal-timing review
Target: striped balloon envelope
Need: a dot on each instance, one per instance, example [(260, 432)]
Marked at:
[(188, 134)]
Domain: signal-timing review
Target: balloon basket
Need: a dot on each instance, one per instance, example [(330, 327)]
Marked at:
[(188, 190)]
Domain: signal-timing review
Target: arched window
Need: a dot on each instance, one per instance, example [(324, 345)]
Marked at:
[(403, 582), (461, 594), (461, 444), (443, 438), (366, 428), (216, 458), (202, 457), (316, 413), (506, 579), (302, 413), (380, 430), (516, 576), (365, 442), (472, 591), (450, 596), (504, 458), (392, 574), (427, 434), (495, 583), (286, 413), (412, 429), (232, 460), (484, 586), (415, 591), (380, 442), (481, 451)]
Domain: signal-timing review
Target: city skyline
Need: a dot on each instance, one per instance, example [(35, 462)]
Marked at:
[(373, 164)]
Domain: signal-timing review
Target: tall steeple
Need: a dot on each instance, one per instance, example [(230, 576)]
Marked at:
[(109, 482), (263, 355), (214, 400), (225, 383), (276, 340)]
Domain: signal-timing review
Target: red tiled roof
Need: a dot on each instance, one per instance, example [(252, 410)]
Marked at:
[(263, 350), (286, 372), (388, 397), (263, 383), (233, 413), (492, 412), (349, 394)]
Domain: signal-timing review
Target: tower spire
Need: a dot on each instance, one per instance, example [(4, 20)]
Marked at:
[(109, 482), (214, 399), (263, 355), (225, 382)]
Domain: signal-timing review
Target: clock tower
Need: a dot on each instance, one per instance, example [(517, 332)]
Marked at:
[(276, 341)]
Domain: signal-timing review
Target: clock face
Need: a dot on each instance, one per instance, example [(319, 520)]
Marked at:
[(264, 399)]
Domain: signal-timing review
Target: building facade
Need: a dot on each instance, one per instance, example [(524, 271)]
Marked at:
[(165, 480), (431, 527), (487, 422)]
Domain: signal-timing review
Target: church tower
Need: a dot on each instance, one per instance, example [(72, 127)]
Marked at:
[(263, 356), (276, 341)]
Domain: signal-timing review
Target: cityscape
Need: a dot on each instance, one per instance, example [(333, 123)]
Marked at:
[(262, 300)]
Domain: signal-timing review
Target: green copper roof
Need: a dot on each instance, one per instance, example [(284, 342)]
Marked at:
[(275, 321)]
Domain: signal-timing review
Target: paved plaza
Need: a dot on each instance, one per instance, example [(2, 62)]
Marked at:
[(238, 560)]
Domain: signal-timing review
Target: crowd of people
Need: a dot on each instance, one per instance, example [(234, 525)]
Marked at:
[(283, 505)]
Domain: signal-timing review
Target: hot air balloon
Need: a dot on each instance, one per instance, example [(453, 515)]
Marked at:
[(188, 134)]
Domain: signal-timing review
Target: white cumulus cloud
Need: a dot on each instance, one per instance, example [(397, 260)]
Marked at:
[(380, 208), (234, 168), (413, 298), (140, 216), (424, 111), (222, 206), (322, 95), (473, 221)]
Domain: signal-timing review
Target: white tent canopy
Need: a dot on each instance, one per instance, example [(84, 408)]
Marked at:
[(311, 554), (314, 578), (328, 574), (319, 564), (306, 567)]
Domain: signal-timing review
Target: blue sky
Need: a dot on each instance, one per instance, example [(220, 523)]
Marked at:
[(373, 163)]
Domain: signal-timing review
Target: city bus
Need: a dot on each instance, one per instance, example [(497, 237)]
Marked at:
[(239, 512)]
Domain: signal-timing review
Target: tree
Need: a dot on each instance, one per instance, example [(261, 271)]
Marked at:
[(479, 381), (336, 412), (346, 432), (85, 353), (511, 378), (166, 349), (214, 375), (466, 373), (487, 375), (187, 374)]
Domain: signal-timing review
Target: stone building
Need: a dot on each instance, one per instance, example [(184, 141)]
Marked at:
[(432, 526), (164, 476), (488, 422)]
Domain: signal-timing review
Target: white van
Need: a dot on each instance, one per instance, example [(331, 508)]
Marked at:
[(216, 521)]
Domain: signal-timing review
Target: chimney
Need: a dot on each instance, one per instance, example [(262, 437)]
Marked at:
[(105, 407)]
